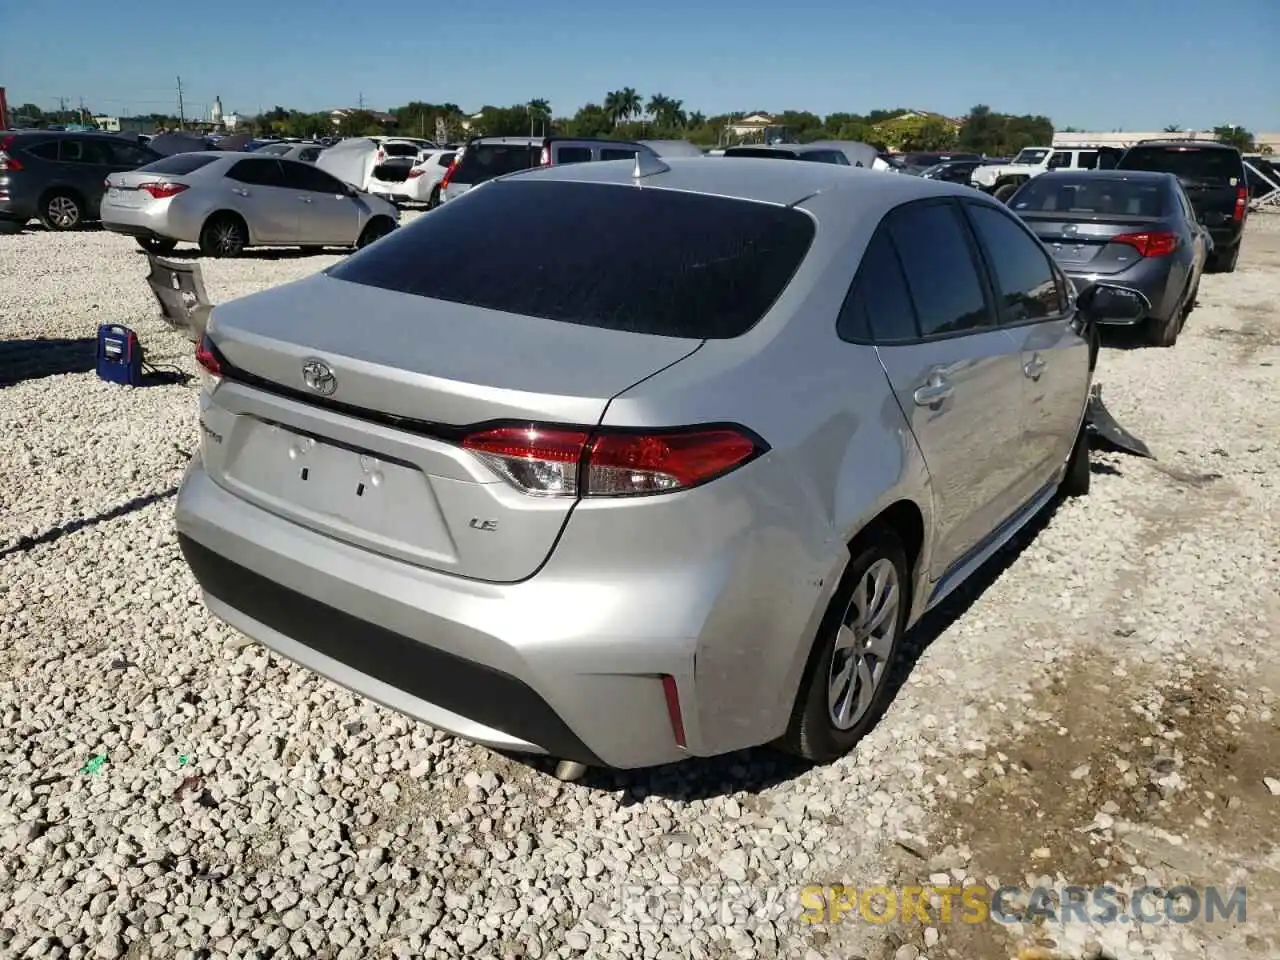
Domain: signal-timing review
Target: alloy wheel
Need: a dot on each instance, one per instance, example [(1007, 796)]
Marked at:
[(63, 212), (864, 644)]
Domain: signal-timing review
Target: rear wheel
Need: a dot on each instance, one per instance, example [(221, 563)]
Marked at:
[(1164, 333), (61, 211), (1225, 261), (224, 235), (375, 229), (846, 687), (157, 245), (433, 201)]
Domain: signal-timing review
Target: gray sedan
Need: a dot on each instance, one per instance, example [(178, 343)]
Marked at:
[(306, 152), (1132, 228), (228, 201)]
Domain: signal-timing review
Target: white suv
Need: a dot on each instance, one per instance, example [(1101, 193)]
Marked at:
[(1003, 179)]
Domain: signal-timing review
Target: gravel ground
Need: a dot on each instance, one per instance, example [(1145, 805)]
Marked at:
[(1100, 708)]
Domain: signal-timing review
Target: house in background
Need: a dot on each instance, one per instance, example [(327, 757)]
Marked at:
[(337, 116), (754, 128)]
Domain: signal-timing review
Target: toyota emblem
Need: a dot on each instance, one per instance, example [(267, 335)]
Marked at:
[(317, 375)]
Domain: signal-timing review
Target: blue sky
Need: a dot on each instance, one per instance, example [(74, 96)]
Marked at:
[(1095, 64)]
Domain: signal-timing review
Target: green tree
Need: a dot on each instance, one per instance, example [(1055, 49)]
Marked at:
[(540, 114), (1238, 137), (591, 120)]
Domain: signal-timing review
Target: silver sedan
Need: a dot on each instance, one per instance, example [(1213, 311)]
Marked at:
[(226, 202)]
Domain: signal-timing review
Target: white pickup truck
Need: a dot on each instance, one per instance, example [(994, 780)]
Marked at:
[(1002, 179)]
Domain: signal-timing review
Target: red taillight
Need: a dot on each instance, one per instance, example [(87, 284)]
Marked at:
[(672, 694), (1154, 243), (560, 462), (415, 172), (162, 189), (448, 175), (379, 157), (1242, 204), (210, 366), (8, 164)]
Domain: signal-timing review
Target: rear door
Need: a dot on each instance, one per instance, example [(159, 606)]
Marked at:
[(258, 191), (326, 213), (1213, 177), (86, 163), (1038, 314), (955, 373)]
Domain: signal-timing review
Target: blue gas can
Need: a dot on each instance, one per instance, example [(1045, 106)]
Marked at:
[(119, 355)]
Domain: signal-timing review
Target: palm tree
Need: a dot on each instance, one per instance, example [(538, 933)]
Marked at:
[(631, 103), (539, 109), (1172, 128), (697, 119), (614, 106)]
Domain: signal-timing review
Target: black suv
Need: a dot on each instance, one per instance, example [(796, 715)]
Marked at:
[(1214, 178), (59, 177)]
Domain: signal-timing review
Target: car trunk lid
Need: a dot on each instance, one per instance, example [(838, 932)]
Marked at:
[(1091, 242), (377, 460)]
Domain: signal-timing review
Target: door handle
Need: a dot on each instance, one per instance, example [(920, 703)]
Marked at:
[(1034, 367), (240, 190), (305, 199), (932, 394)]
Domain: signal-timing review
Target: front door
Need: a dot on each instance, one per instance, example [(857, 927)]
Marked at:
[(955, 374)]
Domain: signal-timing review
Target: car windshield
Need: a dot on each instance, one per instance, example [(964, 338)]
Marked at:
[(1091, 195), (1031, 155), (659, 262), (1194, 164)]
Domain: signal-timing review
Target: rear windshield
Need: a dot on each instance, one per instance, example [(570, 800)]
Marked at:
[(1213, 164), (180, 163), (400, 150), (484, 161), (1092, 195), (658, 262), (760, 152)]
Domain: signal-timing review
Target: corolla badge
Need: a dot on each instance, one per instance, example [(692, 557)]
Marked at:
[(317, 375)]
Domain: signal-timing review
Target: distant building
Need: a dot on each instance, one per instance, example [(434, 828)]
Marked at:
[(337, 116), (125, 124), (215, 112), (1125, 138)]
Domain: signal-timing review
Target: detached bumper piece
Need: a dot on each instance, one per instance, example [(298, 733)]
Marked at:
[(1103, 428), (462, 686)]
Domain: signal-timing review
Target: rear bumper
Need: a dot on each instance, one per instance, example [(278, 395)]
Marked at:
[(153, 220), (1153, 280), (568, 663)]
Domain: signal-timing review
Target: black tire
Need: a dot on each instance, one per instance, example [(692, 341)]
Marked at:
[(223, 235), (1075, 482), (1224, 261), (61, 210), (1191, 302), (157, 245), (433, 201), (1005, 191), (375, 229), (813, 733), (1164, 333)]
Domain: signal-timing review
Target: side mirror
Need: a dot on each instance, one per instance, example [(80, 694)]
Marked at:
[(1102, 302)]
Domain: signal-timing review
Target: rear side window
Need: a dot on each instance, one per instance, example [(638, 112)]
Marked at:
[(879, 307), (655, 262), (445, 159), (181, 163), (1028, 284), (1087, 160), (1209, 164), (941, 272), (573, 155), (617, 153), (484, 161), (259, 173), (1097, 195), (824, 156), (45, 151)]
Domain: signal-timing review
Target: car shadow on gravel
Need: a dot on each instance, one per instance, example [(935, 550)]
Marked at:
[(758, 769), (32, 359), (24, 544)]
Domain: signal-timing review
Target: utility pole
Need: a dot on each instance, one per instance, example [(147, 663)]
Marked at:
[(182, 118), (62, 109), (362, 100), (82, 123)]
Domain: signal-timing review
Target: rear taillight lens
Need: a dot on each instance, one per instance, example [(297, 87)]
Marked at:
[(448, 175), (1153, 243), (162, 189), (210, 365), (379, 157), (567, 462), (415, 172), (1242, 204), (545, 159), (8, 164)]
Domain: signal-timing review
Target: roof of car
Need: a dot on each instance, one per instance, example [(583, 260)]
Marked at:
[(1113, 174), (764, 180), (784, 147), (1184, 142)]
